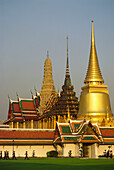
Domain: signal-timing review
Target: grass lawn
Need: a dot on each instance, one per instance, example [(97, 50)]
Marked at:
[(57, 164)]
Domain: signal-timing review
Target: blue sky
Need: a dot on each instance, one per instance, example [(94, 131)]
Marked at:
[(31, 27)]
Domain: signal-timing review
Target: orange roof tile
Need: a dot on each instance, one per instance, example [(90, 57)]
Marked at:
[(16, 107), (107, 132), (28, 105), (27, 134)]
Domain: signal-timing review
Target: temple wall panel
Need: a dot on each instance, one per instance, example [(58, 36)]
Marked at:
[(73, 147), (40, 150), (101, 149)]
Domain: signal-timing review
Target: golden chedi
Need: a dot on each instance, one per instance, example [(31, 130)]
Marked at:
[(94, 102)]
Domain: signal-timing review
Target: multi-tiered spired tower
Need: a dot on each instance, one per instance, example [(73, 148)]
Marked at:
[(94, 99), (48, 87), (67, 104)]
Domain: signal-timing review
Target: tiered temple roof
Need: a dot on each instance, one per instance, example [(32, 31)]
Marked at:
[(67, 102), (23, 109), (78, 131)]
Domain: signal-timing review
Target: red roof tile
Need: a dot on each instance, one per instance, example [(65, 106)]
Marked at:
[(9, 112), (24, 142), (107, 131), (16, 107), (27, 134), (28, 105)]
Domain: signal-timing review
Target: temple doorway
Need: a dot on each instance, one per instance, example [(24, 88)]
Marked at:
[(89, 150)]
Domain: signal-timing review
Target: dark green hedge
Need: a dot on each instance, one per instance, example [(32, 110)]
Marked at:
[(52, 154)]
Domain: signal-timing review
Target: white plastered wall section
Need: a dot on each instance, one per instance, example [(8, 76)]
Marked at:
[(73, 147), (40, 150), (102, 148)]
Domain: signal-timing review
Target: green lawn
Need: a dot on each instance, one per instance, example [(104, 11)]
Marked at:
[(57, 164)]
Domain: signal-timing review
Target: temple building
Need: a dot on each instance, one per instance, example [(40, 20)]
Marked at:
[(94, 99), (67, 104), (23, 113), (82, 138), (50, 121), (63, 107), (48, 88)]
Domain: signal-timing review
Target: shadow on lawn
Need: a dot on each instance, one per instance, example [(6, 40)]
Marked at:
[(39, 166)]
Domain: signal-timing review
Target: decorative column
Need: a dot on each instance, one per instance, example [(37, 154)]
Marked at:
[(43, 124), (49, 123), (54, 122), (24, 124), (17, 124), (40, 124), (59, 118), (51, 127), (31, 124), (64, 119), (11, 124)]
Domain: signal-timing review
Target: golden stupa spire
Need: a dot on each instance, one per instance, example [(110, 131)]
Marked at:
[(93, 72), (67, 65)]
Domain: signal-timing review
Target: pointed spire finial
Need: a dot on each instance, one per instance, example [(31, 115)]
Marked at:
[(17, 95), (92, 35), (9, 98), (67, 65), (93, 72), (47, 54)]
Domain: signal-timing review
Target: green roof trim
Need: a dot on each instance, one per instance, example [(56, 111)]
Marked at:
[(83, 128), (66, 129), (109, 143), (76, 126), (13, 106), (89, 138), (70, 138), (35, 103)]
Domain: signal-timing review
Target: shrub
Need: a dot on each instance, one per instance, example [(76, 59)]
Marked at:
[(52, 154)]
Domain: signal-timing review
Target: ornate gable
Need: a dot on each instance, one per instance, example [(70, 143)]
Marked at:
[(76, 125), (89, 139), (89, 129)]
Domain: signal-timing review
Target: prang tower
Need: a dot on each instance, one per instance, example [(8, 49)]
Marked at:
[(94, 102), (48, 87)]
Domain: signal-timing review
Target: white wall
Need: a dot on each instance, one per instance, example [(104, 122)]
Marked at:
[(101, 149), (40, 150), (73, 147)]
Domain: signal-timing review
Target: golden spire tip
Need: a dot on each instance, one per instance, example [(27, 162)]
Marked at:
[(47, 53)]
